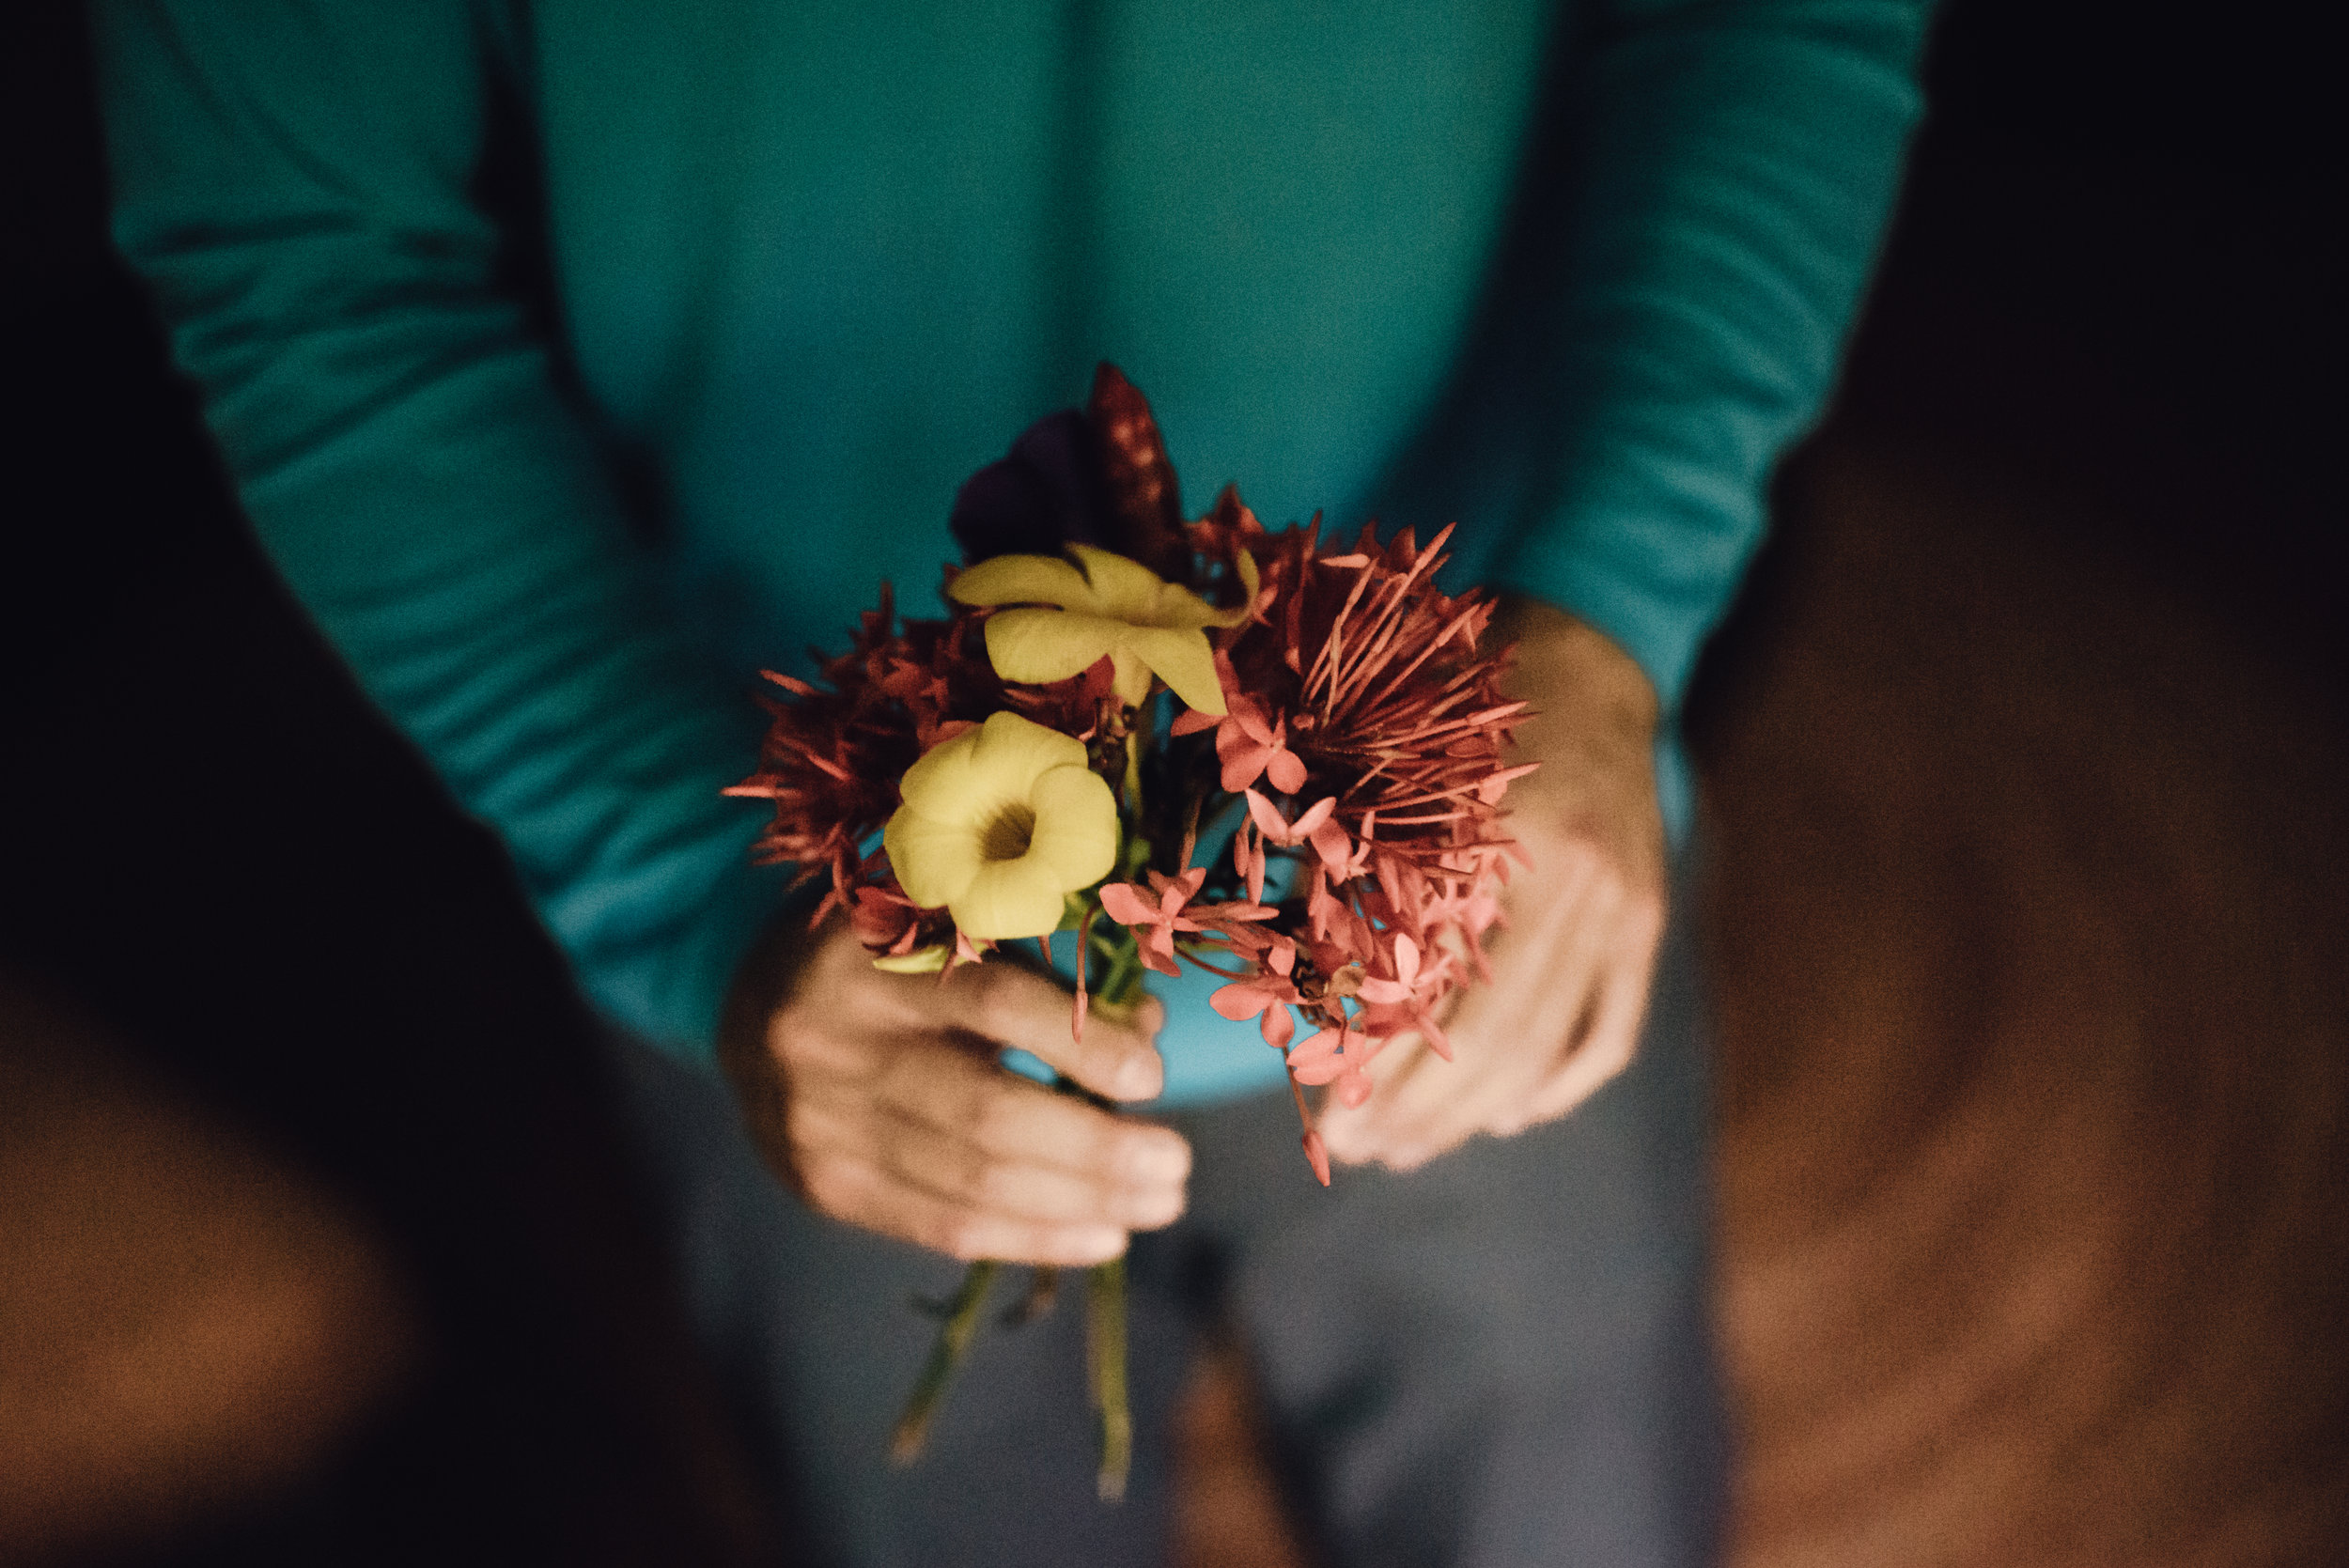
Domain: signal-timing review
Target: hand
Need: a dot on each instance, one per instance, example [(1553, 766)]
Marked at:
[(1571, 969), (878, 1097)]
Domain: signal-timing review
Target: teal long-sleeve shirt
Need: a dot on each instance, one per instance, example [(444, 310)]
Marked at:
[(1573, 276)]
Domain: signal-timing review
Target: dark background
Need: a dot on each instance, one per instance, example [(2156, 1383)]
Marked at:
[(2116, 279), (210, 841)]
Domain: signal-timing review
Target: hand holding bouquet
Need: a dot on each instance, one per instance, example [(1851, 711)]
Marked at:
[(1113, 688)]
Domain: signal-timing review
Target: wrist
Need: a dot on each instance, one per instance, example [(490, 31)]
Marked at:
[(1591, 724), (1571, 670), (768, 973)]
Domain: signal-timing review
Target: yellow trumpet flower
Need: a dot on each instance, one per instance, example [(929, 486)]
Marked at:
[(999, 825), (1113, 606)]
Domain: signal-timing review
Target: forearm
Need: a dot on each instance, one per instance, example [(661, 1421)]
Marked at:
[(294, 187), (1729, 171)]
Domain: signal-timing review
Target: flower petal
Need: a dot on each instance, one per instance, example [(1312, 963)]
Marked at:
[(934, 861), (1011, 753), (921, 960), (1132, 680), (1316, 1049), (1245, 716), (1124, 589), (1184, 661), (1240, 1001), (1243, 765), (1319, 1071), (1008, 899), (1076, 826), (1125, 903), (1041, 645), (1023, 580), (1287, 771), (1334, 847), (1267, 820), (938, 784), (1251, 584)]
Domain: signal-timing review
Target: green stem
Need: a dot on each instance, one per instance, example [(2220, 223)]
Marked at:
[(1035, 1304), (954, 1341), (1105, 1356), (1120, 992)]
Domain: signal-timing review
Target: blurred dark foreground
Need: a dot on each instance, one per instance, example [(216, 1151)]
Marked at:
[(2023, 751)]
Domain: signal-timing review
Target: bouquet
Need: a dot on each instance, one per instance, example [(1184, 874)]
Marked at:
[(1112, 684)]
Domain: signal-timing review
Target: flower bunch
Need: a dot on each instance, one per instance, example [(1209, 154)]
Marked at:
[(1112, 687)]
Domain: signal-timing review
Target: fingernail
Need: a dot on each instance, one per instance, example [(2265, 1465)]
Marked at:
[(1139, 1079), (1152, 1161), (1147, 1211), (1096, 1244)]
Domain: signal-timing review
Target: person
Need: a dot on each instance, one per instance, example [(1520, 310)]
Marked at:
[(573, 361)]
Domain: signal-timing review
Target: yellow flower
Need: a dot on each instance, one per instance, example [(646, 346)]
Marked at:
[(999, 824), (1113, 606)]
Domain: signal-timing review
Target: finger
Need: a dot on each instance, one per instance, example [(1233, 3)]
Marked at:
[(998, 1157), (1614, 1038), (1519, 1033), (855, 1190), (1539, 903), (1018, 1186), (961, 1098), (1353, 1133), (1014, 1006), (1409, 1074)]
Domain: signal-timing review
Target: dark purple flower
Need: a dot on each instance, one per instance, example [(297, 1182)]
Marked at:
[(1099, 477)]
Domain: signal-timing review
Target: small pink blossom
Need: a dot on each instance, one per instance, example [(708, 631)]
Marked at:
[(1409, 992), (1318, 826), (1269, 993), (1251, 746), (1127, 905)]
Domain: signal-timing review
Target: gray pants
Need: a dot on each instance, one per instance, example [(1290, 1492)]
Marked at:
[(1499, 1360)]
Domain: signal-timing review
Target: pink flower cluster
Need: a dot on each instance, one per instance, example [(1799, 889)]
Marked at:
[(1357, 696)]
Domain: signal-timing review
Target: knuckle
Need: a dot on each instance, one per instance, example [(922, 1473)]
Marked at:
[(830, 1187), (1172, 1154), (1613, 1051), (1646, 914), (924, 1082), (805, 1045), (993, 1006), (802, 1125), (963, 1236), (1130, 1157), (1096, 1145), (995, 1121), (980, 1177)]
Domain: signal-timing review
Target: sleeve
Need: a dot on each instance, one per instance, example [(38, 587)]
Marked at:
[(294, 181), (1721, 193)]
